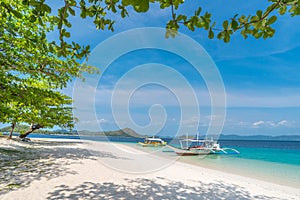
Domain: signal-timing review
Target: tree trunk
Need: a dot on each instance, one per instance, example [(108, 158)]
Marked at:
[(32, 128), (12, 130)]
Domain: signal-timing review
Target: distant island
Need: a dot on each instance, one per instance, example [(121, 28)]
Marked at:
[(250, 137), (261, 137), (127, 132)]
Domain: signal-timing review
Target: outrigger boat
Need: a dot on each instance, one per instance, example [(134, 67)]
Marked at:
[(152, 142), (191, 147)]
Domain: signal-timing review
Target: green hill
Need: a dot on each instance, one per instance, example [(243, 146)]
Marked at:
[(18, 128), (126, 132)]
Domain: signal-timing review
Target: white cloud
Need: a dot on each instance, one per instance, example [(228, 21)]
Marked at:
[(98, 121), (282, 123), (270, 123), (258, 123), (102, 121)]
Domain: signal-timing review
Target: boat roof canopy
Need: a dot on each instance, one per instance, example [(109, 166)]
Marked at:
[(195, 140), (154, 139)]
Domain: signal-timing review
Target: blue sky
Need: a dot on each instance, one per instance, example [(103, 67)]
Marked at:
[(261, 77)]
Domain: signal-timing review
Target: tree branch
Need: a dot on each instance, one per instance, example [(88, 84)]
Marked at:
[(263, 17), (172, 10)]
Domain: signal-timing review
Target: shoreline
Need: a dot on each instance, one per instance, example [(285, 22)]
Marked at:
[(245, 171), (259, 175), (83, 167)]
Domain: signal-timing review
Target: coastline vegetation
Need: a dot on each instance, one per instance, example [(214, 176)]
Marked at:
[(126, 132)]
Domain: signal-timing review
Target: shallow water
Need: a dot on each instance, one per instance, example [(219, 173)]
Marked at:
[(280, 166)]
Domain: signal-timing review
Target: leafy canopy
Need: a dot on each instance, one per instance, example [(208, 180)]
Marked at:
[(33, 69), (258, 25)]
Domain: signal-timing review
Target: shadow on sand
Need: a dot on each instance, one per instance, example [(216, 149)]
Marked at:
[(151, 189), (21, 163)]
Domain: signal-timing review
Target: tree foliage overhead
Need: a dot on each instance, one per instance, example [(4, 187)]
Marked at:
[(33, 69), (258, 24)]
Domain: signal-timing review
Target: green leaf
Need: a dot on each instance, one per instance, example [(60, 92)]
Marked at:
[(258, 35), (181, 18), (113, 8), (220, 35), (67, 34), (255, 19), (282, 10), (17, 14), (127, 2), (225, 24), (71, 11), (271, 20), (142, 6), (226, 37), (83, 14), (46, 8), (259, 14), (234, 24), (197, 13), (32, 18), (211, 34)]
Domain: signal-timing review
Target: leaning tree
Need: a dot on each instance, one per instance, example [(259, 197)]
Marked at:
[(33, 69)]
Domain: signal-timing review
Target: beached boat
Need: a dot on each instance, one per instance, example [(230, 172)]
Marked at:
[(191, 147), (152, 142)]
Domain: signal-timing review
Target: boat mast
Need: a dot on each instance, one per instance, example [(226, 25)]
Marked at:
[(187, 143), (197, 137)]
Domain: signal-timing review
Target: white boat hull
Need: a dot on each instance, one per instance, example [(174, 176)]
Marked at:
[(192, 153)]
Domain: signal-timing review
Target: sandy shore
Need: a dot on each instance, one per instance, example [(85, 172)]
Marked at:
[(56, 169)]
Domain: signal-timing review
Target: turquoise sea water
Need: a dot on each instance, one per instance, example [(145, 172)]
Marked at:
[(274, 161)]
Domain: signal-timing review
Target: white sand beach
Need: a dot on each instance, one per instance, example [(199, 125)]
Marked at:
[(60, 169)]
